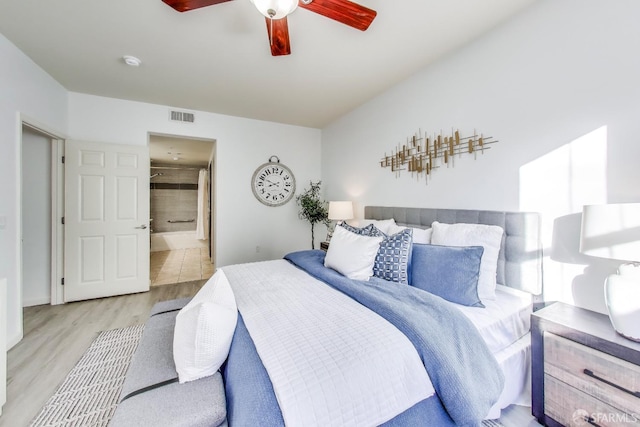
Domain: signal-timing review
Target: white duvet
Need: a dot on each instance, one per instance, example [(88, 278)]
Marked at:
[(331, 360)]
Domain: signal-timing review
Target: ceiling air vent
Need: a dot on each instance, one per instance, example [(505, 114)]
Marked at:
[(181, 116)]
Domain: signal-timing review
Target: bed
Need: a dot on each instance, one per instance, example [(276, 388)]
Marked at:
[(313, 347)]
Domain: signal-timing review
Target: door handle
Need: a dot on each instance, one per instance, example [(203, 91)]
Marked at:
[(142, 227)]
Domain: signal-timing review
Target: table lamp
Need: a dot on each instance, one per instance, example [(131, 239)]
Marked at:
[(339, 211), (613, 231)]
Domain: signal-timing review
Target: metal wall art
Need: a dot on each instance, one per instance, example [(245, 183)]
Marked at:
[(422, 154)]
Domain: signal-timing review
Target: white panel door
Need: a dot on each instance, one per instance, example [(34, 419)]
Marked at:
[(106, 220)]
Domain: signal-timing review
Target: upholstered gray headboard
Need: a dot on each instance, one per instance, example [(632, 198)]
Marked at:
[(520, 261)]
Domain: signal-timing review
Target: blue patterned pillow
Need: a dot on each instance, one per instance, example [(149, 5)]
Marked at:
[(393, 261), (369, 230), (451, 272)]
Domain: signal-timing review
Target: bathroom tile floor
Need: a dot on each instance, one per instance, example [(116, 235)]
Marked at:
[(181, 265)]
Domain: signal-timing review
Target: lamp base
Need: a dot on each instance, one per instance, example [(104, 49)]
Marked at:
[(330, 229), (622, 296)]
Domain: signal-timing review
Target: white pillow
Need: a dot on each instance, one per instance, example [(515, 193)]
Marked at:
[(384, 225), (204, 329), (487, 236), (421, 235), (352, 255), (395, 229)]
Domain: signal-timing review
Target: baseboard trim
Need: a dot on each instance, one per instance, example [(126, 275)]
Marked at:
[(36, 301), (12, 341)]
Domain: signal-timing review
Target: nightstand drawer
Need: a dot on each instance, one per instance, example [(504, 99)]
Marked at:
[(571, 407), (608, 379)]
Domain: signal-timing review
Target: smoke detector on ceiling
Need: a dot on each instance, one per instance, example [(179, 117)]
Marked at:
[(131, 61)]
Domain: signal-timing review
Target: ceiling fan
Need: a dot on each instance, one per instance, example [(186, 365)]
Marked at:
[(344, 11)]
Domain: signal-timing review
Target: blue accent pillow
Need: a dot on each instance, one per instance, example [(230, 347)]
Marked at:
[(369, 230), (451, 272), (393, 261)]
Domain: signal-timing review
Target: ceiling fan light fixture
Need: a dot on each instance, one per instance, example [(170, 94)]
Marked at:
[(275, 9)]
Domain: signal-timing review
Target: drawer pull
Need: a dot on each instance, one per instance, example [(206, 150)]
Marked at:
[(590, 373)]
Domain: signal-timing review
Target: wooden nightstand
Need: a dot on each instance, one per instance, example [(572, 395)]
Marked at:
[(324, 246), (583, 372)]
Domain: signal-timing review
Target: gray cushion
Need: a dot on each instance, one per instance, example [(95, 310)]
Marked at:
[(196, 403), (152, 361), (172, 304)]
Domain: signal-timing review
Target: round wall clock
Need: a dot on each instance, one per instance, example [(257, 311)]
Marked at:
[(273, 183)]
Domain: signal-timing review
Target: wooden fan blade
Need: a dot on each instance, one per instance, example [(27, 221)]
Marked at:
[(345, 11), (186, 5), (278, 31)]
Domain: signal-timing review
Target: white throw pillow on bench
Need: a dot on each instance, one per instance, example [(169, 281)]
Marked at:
[(204, 330)]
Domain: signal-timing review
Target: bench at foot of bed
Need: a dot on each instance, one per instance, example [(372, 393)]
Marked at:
[(151, 394)]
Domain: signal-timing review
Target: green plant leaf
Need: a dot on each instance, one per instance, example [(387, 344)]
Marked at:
[(312, 208)]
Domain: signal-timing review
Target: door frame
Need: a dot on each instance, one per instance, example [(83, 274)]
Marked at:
[(57, 227), (57, 190), (57, 205), (212, 183), (57, 210)]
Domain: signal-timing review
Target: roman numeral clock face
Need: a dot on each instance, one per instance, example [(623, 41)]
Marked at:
[(273, 184)]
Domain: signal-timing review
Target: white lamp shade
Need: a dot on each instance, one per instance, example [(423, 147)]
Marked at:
[(611, 231), (275, 9), (340, 211)]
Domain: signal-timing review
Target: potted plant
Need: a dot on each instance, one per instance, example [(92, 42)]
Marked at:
[(312, 208)]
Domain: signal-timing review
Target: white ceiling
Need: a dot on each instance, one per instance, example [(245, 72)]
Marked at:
[(218, 59)]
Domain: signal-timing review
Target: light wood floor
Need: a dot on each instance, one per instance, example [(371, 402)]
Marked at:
[(55, 337)]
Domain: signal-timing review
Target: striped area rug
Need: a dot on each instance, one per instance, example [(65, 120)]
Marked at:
[(89, 394)]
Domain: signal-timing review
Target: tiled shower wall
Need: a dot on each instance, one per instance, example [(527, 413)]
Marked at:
[(174, 197)]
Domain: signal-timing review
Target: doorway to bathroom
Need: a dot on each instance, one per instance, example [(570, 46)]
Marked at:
[(181, 209)]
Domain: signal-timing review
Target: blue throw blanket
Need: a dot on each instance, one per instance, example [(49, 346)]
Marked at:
[(465, 375), (457, 359)]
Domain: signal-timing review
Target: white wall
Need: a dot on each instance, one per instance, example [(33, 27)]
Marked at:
[(36, 218), (558, 87), (26, 92), (241, 222)]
